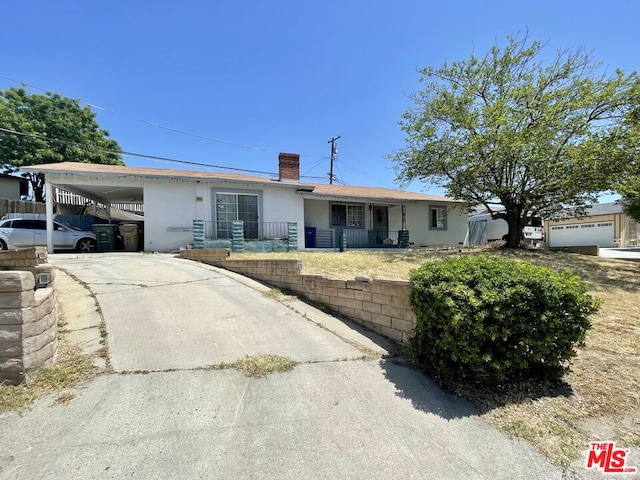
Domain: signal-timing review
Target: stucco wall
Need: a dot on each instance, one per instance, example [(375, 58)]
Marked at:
[(420, 235), (172, 205), (316, 214)]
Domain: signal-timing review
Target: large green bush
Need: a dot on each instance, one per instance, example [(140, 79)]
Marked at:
[(488, 320)]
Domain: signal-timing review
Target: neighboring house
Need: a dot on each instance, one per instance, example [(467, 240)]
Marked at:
[(604, 225), (13, 188), (324, 214)]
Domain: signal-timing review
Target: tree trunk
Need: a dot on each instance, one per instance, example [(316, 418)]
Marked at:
[(515, 223), (37, 184)]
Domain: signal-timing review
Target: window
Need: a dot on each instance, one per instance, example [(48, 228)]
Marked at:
[(235, 206), (347, 216), (438, 218), (30, 224)]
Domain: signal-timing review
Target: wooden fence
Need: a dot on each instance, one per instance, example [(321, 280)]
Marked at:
[(18, 206)]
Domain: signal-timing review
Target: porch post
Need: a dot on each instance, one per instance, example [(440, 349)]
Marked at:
[(48, 199), (404, 217)]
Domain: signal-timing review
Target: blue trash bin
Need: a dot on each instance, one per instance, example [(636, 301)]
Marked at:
[(310, 237)]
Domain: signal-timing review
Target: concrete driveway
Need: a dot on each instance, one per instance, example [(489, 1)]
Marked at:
[(168, 313), (334, 416)]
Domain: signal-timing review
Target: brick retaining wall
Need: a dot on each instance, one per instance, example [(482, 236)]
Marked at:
[(381, 305)]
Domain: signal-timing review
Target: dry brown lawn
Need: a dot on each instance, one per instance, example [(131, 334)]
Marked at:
[(602, 398)]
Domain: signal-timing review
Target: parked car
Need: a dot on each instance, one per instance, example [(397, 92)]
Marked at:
[(32, 232), (534, 232)]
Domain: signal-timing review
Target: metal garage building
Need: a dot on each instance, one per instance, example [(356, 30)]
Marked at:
[(604, 225)]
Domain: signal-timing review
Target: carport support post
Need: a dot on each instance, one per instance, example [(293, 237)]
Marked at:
[(48, 199)]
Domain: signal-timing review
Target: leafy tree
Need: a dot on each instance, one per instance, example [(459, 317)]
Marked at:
[(631, 198), (38, 129), (630, 186), (507, 130)]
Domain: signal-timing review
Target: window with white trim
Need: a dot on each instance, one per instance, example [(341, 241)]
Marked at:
[(347, 215)]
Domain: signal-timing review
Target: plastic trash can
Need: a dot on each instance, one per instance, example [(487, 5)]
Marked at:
[(310, 237), (105, 236), (130, 237)]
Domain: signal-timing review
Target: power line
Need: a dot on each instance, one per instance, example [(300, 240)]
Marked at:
[(156, 125), (141, 155), (131, 154)]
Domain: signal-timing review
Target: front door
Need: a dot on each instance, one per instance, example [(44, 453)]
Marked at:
[(380, 223)]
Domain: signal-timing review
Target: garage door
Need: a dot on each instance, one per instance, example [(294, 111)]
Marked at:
[(581, 234)]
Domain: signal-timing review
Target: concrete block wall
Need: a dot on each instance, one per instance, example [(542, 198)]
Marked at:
[(381, 305), (28, 326), (206, 255), (33, 259)]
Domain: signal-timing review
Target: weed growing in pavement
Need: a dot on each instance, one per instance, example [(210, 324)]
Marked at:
[(72, 369)]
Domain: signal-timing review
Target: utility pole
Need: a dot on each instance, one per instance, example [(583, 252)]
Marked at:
[(334, 150)]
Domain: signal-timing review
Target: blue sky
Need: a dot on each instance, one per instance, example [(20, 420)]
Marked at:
[(279, 75)]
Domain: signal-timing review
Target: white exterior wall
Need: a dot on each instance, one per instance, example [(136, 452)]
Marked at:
[(316, 213), (282, 205), (420, 235), (172, 205)]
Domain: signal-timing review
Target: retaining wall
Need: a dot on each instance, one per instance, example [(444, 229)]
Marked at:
[(381, 305), (28, 326), (33, 259), (592, 250)]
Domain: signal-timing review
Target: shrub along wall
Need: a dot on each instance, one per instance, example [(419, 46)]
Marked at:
[(381, 305)]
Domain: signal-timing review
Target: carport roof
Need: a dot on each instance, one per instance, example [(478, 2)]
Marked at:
[(308, 190)]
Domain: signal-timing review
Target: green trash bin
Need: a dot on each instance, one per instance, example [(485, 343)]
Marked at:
[(105, 236)]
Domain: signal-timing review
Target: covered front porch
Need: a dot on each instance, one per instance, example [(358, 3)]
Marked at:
[(354, 224)]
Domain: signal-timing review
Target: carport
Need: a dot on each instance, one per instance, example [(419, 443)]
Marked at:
[(102, 185)]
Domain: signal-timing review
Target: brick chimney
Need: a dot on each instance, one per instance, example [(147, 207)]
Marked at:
[(289, 167)]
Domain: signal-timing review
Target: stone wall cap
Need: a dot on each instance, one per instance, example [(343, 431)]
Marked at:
[(16, 281)]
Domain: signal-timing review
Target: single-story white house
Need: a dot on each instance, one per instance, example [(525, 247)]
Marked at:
[(365, 217), (605, 225)]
